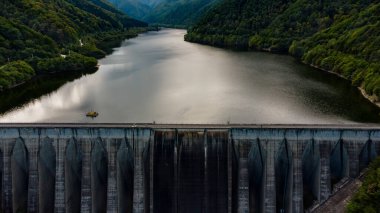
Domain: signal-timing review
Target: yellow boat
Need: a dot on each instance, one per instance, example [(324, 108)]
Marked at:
[(92, 114)]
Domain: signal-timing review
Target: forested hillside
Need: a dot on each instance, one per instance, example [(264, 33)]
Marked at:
[(338, 35), (38, 36), (180, 12), (167, 12), (368, 196), (135, 8)]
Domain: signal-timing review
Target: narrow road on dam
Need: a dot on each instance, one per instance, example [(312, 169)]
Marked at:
[(192, 126)]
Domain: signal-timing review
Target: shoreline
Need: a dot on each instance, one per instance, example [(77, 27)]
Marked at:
[(41, 75), (58, 72), (372, 98), (375, 100)]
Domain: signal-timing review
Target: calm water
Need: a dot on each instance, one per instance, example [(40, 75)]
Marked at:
[(159, 77)]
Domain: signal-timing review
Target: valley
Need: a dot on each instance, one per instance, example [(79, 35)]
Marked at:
[(189, 105), (177, 13)]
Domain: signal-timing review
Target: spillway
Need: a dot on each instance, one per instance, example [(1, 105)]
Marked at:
[(178, 168)]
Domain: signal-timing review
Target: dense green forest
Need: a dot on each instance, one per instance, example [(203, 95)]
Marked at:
[(368, 197), (138, 9), (44, 36), (338, 35), (179, 13)]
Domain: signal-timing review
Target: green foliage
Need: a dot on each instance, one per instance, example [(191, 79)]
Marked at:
[(135, 8), (14, 73), (338, 35), (66, 20), (272, 24), (368, 196), (72, 62), (235, 41), (238, 19), (350, 47), (18, 42), (39, 31), (90, 49), (179, 13)]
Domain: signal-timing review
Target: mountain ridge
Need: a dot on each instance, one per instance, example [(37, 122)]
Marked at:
[(167, 12)]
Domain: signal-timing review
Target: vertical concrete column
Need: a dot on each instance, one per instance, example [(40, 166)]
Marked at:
[(256, 170), (138, 182), (269, 179), (206, 180), (85, 139), (241, 146), (326, 139), (7, 140), (20, 176), (46, 175), (99, 176), (375, 137), (354, 141), (150, 191), (112, 140), (231, 159), (311, 170), (31, 137), (296, 141), (325, 177), (284, 177), (243, 182), (271, 139), (61, 138), (125, 168), (73, 176), (141, 149), (339, 166), (367, 154), (112, 198), (177, 152)]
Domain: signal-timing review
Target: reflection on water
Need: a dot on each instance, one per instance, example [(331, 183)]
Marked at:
[(159, 77), (34, 89)]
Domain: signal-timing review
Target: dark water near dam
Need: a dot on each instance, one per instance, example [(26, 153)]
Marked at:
[(160, 77)]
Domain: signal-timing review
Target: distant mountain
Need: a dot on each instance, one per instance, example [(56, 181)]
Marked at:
[(180, 12), (336, 35), (171, 12), (35, 33), (135, 8)]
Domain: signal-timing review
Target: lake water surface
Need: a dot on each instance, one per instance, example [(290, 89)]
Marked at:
[(160, 77)]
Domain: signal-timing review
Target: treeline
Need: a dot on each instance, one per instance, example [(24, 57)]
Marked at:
[(339, 36), (170, 13), (367, 198), (349, 47), (53, 36), (15, 73), (179, 13)]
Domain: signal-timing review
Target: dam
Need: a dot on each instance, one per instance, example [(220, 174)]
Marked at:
[(178, 168)]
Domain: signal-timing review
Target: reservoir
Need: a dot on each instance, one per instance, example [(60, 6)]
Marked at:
[(158, 77)]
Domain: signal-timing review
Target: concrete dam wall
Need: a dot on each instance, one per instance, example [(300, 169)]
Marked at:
[(182, 169)]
